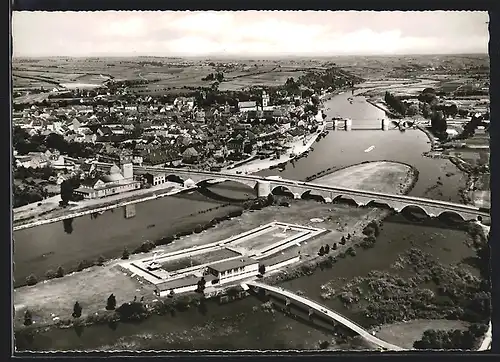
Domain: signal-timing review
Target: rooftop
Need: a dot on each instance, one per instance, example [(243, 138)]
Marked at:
[(178, 283), (232, 264)]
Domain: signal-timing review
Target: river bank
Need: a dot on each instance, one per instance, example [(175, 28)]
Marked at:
[(51, 211), (382, 107), (86, 207), (144, 336), (343, 219)]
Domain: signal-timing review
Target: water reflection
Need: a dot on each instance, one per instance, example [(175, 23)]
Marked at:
[(79, 329), (68, 225)]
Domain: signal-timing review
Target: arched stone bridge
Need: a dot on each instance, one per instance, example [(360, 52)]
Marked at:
[(266, 185)]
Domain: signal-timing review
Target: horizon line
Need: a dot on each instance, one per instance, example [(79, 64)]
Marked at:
[(246, 56)]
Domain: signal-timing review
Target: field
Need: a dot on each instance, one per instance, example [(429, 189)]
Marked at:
[(405, 334), (163, 76), (32, 98), (271, 78), (199, 259)]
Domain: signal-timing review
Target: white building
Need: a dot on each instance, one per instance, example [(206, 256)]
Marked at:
[(265, 99), (155, 179), (227, 271), (185, 284)]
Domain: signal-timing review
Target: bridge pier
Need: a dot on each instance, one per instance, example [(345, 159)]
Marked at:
[(348, 124), (385, 124), (129, 211), (263, 188)]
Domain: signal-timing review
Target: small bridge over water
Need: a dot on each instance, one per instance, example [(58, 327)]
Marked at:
[(322, 310)]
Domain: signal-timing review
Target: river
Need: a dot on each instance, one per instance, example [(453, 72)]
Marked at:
[(45, 247)]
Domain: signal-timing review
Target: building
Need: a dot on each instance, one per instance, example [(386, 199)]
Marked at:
[(115, 181), (155, 179), (185, 284), (126, 166), (106, 186), (234, 269), (190, 155), (265, 99), (247, 106), (33, 160)]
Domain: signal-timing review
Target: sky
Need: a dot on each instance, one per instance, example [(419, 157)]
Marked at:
[(248, 33)]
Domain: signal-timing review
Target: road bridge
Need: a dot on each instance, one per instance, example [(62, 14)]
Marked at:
[(266, 185), (337, 317)]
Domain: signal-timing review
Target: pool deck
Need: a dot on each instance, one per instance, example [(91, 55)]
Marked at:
[(236, 243)]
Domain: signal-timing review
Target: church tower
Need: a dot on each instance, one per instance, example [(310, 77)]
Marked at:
[(265, 99)]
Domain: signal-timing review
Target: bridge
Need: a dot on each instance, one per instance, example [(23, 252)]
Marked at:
[(322, 310), (266, 185), (347, 125)]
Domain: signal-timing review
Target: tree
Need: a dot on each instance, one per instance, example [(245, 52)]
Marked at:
[(77, 310), (327, 249), (343, 240), (321, 251), (111, 303), (334, 246), (426, 110), (412, 110), (101, 260), (125, 254), (28, 319), (428, 96), (56, 141), (60, 272), (262, 269), (31, 280), (438, 123), (201, 285), (270, 199), (66, 192)]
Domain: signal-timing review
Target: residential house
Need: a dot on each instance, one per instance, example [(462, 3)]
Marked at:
[(242, 142), (137, 159), (190, 155), (33, 160), (155, 179)]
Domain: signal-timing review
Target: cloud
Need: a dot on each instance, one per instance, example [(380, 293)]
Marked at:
[(248, 33)]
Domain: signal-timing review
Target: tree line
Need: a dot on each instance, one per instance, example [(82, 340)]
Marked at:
[(23, 143)]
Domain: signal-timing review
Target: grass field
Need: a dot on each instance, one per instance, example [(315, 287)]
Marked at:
[(405, 334)]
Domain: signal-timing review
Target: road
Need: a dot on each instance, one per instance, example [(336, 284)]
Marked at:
[(331, 314)]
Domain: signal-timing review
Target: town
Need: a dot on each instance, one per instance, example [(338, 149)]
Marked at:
[(267, 202), (80, 134)]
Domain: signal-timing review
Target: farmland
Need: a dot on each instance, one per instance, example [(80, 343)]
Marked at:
[(157, 76)]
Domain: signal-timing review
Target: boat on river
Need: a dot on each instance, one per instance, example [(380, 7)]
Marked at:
[(369, 149)]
